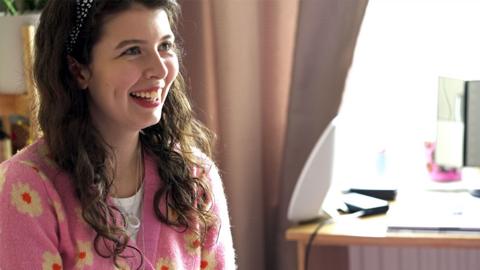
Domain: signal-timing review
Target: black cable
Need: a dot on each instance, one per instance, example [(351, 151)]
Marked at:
[(310, 241), (319, 225)]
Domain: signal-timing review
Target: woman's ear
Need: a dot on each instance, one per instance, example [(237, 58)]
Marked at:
[(80, 72)]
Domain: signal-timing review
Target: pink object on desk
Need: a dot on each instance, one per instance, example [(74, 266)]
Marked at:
[(439, 173)]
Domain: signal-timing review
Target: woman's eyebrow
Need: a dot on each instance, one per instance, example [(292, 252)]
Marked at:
[(168, 36), (127, 42)]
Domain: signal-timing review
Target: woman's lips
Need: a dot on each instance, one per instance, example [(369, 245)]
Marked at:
[(148, 98)]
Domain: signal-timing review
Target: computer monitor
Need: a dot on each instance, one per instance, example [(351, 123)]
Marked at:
[(458, 124), (314, 181)]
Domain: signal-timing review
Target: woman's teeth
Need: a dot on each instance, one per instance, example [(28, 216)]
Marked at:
[(151, 95)]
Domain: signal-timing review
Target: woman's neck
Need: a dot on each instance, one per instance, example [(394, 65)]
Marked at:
[(128, 161), (128, 165)]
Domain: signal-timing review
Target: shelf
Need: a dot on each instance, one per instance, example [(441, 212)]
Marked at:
[(14, 104)]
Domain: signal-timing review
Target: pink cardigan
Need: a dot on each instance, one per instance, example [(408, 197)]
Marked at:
[(41, 226)]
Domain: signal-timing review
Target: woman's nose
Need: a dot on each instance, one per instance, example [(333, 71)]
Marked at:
[(157, 68)]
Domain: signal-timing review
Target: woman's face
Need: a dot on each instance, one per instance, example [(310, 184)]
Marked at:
[(133, 66)]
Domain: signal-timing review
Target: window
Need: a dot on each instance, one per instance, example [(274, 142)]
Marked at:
[(390, 101)]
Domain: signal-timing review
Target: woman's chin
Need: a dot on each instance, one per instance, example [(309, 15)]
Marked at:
[(153, 122)]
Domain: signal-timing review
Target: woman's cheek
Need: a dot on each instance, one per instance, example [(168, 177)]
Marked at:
[(127, 78)]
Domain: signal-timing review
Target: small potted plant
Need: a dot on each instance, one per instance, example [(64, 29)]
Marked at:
[(13, 15), (10, 7)]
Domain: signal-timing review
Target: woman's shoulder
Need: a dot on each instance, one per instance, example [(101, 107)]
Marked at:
[(24, 183), (34, 157), (205, 164)]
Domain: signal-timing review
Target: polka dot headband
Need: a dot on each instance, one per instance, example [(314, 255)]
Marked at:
[(83, 7)]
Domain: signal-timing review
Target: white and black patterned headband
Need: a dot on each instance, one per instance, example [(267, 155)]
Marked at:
[(83, 7)]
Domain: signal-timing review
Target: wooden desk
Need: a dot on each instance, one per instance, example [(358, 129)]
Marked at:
[(371, 231)]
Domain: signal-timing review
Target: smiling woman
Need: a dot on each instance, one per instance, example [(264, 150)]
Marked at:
[(131, 71), (122, 177)]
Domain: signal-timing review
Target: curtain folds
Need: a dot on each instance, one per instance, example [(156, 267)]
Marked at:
[(266, 76), (327, 32)]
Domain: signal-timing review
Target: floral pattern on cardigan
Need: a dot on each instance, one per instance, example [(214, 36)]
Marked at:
[(41, 226)]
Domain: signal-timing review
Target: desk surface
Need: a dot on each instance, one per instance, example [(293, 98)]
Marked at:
[(346, 231), (373, 231)]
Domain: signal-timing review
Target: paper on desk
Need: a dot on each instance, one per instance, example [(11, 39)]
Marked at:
[(437, 211)]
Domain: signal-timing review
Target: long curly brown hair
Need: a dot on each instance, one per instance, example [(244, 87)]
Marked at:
[(79, 149)]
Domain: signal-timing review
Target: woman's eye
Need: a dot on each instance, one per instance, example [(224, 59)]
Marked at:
[(166, 46), (132, 51)]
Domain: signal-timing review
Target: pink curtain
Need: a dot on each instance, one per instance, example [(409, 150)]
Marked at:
[(327, 32), (240, 61)]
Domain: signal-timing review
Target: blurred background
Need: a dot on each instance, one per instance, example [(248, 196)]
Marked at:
[(267, 76)]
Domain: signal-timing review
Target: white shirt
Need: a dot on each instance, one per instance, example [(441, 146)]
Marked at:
[(131, 208)]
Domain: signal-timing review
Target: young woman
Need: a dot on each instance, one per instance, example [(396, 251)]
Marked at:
[(122, 176)]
